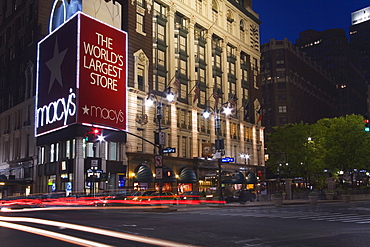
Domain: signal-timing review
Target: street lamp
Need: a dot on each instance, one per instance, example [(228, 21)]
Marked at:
[(160, 139), (245, 157), (225, 107)]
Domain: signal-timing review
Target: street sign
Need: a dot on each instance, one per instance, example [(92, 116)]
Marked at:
[(169, 150), (161, 138), (158, 160), (158, 173), (227, 160)]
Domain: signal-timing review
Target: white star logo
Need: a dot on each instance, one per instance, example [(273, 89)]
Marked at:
[(86, 110), (54, 65)]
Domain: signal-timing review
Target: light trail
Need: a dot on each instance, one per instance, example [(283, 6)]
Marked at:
[(54, 235), (120, 235)]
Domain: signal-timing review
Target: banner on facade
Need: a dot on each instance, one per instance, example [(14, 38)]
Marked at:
[(81, 76)]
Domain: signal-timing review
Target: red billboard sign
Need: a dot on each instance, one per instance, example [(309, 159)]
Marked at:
[(81, 77)]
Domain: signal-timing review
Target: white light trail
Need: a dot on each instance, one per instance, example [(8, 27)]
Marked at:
[(58, 236), (120, 235)]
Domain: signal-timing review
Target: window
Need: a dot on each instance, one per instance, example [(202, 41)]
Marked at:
[(17, 148), (183, 146), (42, 155), (214, 11), (140, 12), (230, 20), (140, 77), (199, 6), (161, 58), (233, 130), (52, 152), (282, 109), (68, 149), (113, 150), (242, 31), (161, 33), (139, 23), (282, 97), (159, 46)]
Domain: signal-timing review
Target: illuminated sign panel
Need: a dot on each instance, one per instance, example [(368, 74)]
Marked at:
[(360, 16), (81, 76)]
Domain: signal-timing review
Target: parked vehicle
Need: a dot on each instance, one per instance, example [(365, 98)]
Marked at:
[(246, 195)]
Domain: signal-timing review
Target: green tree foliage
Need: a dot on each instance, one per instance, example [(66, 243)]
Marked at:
[(304, 150), (345, 144)]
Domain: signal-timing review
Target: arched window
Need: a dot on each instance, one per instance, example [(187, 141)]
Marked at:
[(242, 30), (230, 20)]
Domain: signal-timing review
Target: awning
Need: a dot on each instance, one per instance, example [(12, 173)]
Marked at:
[(236, 178), (251, 178), (143, 174), (187, 175), (3, 178)]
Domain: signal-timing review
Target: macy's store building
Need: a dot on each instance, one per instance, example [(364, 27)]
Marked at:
[(81, 87)]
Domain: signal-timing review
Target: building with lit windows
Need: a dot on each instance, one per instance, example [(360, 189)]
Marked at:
[(360, 39), (295, 88), (332, 51), (205, 52)]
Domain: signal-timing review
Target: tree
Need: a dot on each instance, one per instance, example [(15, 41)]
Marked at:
[(346, 146), (303, 150), (292, 153)]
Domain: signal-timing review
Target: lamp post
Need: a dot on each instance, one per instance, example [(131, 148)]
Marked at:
[(160, 138), (217, 112), (245, 157)]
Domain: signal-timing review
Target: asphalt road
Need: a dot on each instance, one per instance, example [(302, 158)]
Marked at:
[(329, 224)]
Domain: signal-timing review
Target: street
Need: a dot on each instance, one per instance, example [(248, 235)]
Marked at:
[(327, 224)]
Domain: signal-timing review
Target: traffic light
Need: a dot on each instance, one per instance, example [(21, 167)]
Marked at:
[(92, 135), (367, 122), (89, 136), (96, 132)]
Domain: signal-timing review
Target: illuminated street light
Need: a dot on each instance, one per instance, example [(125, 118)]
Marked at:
[(149, 101), (219, 145), (245, 157)]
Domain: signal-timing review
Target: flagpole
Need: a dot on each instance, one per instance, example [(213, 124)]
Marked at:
[(171, 79)]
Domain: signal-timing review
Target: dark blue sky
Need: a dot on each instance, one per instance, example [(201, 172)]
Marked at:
[(286, 18)]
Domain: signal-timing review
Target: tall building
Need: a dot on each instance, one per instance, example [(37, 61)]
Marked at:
[(206, 52), (295, 89), (332, 51), (360, 39)]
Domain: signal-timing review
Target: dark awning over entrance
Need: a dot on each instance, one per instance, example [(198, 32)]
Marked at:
[(143, 174), (187, 175), (251, 178)]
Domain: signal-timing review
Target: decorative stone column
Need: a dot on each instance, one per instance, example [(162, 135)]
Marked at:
[(331, 183)]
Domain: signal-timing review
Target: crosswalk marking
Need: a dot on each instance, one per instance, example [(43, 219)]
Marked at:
[(300, 215)]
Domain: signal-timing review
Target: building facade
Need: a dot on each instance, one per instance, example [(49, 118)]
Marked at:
[(360, 40), (295, 88), (332, 51), (206, 52)]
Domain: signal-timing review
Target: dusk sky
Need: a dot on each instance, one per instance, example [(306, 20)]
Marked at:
[(286, 18)]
